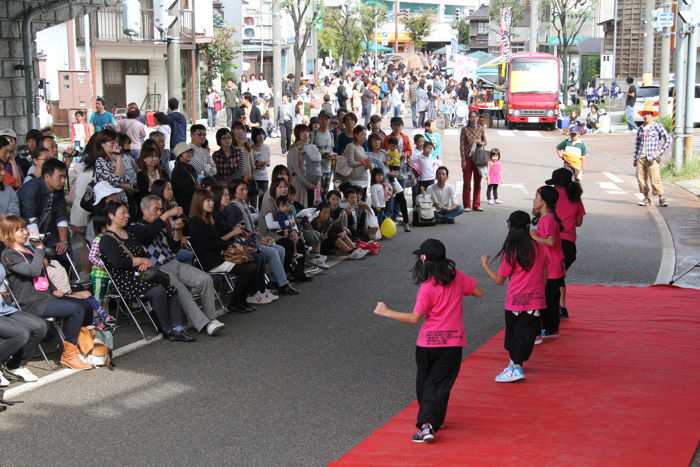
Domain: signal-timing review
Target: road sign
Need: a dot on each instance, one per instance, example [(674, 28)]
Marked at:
[(664, 19)]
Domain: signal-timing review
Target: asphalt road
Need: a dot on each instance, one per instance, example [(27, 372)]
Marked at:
[(301, 381)]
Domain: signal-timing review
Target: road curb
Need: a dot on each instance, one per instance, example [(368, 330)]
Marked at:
[(66, 372), (667, 267)]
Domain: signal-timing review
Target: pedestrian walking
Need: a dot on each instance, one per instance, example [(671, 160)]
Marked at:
[(232, 100), (630, 100), (441, 337), (650, 145), (472, 137), (211, 100), (522, 264)]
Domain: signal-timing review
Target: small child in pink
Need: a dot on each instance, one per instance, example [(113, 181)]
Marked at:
[(524, 265), (495, 176), (441, 337)]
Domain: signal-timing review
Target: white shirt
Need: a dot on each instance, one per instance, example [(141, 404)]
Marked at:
[(443, 198), (263, 155), (427, 166), (377, 196)]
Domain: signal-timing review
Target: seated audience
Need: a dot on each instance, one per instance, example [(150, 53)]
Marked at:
[(444, 198)]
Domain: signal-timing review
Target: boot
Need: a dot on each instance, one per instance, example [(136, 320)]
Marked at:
[(70, 358)]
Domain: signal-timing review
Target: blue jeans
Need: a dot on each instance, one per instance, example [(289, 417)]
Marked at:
[(448, 215), (629, 117), (397, 111), (414, 115), (72, 312), (274, 258), (210, 117)]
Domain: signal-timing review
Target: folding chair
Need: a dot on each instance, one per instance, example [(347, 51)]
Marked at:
[(74, 270), (114, 293), (222, 275), (50, 321)]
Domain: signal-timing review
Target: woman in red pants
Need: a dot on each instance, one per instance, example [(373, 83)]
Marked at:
[(472, 135)]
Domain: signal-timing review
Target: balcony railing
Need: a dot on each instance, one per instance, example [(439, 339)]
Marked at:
[(107, 26)]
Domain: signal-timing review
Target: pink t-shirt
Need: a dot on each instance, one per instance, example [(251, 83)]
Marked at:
[(568, 211), (549, 227), (495, 173), (442, 308), (525, 290)]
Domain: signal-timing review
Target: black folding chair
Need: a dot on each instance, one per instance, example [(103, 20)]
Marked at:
[(225, 276)]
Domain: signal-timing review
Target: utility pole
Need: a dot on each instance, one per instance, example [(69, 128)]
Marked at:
[(396, 26), (534, 25), (276, 56), (171, 26), (665, 64), (690, 91), (648, 54), (679, 101)]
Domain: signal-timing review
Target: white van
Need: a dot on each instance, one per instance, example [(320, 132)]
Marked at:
[(651, 93)]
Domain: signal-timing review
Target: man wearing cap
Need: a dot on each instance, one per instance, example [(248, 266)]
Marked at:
[(652, 141), (202, 161), (573, 152)]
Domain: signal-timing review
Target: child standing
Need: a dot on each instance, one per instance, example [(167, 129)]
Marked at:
[(377, 195), (495, 176), (441, 337), (399, 200), (548, 234), (377, 156), (524, 265), (393, 156)]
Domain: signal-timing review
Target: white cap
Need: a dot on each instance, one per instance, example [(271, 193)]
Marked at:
[(8, 132), (102, 190), (181, 148)]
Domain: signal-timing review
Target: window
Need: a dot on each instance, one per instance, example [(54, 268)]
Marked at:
[(481, 28), (136, 67)]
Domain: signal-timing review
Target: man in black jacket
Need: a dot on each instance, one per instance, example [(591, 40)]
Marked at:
[(152, 233), (43, 203)]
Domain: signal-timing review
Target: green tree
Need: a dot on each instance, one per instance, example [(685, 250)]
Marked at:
[(304, 14), (219, 54), (372, 16), (342, 35), (568, 18), (461, 25), (517, 9), (419, 26)]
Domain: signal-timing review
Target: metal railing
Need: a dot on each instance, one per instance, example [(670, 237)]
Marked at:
[(107, 26)]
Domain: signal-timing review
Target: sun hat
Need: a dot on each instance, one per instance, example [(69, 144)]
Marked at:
[(432, 249), (102, 190), (181, 148), (649, 108)]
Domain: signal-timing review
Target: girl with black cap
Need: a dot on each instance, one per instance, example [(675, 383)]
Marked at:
[(441, 337), (524, 265)]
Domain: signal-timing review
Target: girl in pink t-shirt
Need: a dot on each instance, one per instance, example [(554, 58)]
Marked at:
[(495, 176), (548, 233), (441, 337), (524, 265)]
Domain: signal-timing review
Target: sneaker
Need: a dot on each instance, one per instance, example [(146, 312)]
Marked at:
[(662, 202), (538, 339), (467, 209), (268, 293), (492, 201), (180, 336), (258, 299), (424, 435), (312, 271), (407, 227), (563, 313), (498, 201), (24, 373), (645, 202), (478, 210), (288, 290), (318, 261), (510, 375), (550, 334), (356, 254), (214, 327), (3, 381)]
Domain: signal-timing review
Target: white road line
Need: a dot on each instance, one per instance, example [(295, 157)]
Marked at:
[(613, 178), (616, 192), (534, 134), (609, 186), (451, 132), (515, 186), (505, 133)]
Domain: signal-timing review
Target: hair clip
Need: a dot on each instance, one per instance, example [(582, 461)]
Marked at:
[(423, 258)]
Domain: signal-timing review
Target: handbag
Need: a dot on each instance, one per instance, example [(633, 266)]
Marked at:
[(480, 156), (87, 202), (237, 254), (152, 274), (41, 283)]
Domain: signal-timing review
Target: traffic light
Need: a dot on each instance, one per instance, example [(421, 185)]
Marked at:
[(131, 10), (162, 20)]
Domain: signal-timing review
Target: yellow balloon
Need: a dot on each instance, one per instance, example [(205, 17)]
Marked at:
[(388, 228)]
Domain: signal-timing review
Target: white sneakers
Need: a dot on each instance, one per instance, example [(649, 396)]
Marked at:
[(358, 253), (23, 373), (262, 298), (319, 260), (214, 327), (3, 381)]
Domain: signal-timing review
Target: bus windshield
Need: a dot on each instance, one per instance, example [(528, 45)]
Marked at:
[(529, 75)]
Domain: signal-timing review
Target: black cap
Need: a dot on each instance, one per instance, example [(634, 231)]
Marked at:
[(519, 220), (323, 113), (560, 177), (434, 250)]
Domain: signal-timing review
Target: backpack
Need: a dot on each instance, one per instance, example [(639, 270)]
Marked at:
[(312, 163), (424, 211)]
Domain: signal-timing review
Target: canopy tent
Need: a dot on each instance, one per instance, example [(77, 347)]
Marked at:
[(443, 50), (372, 46), (481, 57)]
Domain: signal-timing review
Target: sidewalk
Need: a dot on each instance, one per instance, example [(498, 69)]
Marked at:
[(683, 219)]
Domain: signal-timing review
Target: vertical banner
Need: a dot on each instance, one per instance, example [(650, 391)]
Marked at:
[(506, 20)]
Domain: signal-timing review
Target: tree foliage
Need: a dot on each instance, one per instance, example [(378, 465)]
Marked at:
[(219, 55), (419, 26), (304, 14), (342, 35), (371, 15), (517, 9), (568, 18), (461, 25)]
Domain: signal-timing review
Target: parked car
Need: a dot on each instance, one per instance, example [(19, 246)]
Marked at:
[(651, 93)]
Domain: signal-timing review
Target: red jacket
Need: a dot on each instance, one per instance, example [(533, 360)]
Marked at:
[(407, 149)]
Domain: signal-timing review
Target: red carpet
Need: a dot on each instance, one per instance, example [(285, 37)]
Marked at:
[(621, 387)]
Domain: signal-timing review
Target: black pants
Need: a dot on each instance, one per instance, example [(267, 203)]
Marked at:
[(400, 202), (286, 135), (20, 335), (521, 330), (167, 309), (438, 368), (262, 188), (550, 315), (291, 264), (569, 249), (492, 189)]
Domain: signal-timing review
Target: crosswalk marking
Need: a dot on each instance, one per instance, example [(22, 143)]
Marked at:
[(505, 133), (613, 178), (534, 134), (609, 186), (451, 132), (515, 186)]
